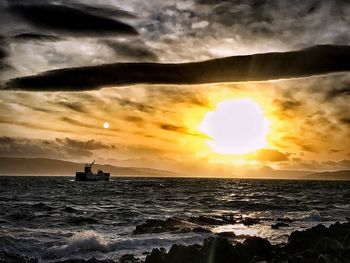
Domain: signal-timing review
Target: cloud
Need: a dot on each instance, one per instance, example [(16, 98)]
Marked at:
[(345, 120), (270, 155), (30, 36), (179, 129), (170, 127), (134, 50), (75, 106), (228, 27), (58, 148), (78, 123), (208, 29), (127, 103), (280, 21), (134, 119), (179, 94), (103, 10), (88, 145), (30, 124), (3, 55), (290, 105), (306, 146), (85, 124), (339, 92), (307, 62), (69, 20)]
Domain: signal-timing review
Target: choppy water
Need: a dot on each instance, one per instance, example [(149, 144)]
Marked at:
[(55, 218)]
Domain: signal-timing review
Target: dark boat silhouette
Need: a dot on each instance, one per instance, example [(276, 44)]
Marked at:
[(88, 175)]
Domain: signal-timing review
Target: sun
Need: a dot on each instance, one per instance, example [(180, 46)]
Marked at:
[(106, 125), (236, 127)]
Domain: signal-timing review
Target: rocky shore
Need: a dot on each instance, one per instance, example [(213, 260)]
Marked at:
[(317, 244)]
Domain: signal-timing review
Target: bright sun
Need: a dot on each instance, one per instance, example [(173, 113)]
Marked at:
[(236, 127)]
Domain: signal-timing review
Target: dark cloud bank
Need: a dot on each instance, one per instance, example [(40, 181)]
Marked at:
[(68, 19), (316, 60), (58, 148), (3, 55), (34, 37)]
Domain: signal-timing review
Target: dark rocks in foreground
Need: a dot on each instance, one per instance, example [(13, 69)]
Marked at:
[(278, 225), (128, 258), (317, 244), (92, 260), (322, 243), (6, 257), (215, 250)]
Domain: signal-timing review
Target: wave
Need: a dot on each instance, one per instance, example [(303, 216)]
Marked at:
[(22, 216), (82, 242), (91, 243), (79, 220), (314, 215), (69, 209), (26, 246), (42, 206)]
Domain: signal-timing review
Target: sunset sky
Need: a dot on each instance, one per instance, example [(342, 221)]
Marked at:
[(159, 122)]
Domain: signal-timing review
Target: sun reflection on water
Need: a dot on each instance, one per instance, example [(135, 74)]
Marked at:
[(238, 229)]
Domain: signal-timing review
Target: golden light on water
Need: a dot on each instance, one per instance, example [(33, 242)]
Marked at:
[(236, 126), (238, 229)]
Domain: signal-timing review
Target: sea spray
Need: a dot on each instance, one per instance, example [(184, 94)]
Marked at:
[(80, 243), (314, 215)]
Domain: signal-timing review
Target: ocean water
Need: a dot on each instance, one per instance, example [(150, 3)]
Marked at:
[(55, 218)]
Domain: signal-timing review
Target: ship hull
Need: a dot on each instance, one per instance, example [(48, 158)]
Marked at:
[(81, 176)]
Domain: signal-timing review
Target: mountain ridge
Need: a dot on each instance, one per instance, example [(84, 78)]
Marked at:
[(46, 166), (341, 175), (54, 167)]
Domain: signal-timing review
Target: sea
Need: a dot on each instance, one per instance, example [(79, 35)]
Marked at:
[(55, 218)]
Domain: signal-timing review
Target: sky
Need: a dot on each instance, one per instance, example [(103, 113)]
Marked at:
[(67, 67)]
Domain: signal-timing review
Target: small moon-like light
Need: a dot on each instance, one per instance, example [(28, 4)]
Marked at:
[(106, 125)]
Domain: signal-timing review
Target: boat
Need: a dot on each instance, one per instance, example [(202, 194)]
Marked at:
[(88, 175)]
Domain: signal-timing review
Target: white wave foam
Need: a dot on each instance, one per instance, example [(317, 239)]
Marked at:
[(87, 244), (81, 242), (313, 216)]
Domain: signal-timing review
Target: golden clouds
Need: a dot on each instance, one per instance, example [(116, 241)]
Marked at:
[(152, 123)]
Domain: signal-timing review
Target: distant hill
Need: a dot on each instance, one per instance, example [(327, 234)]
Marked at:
[(43, 166), (269, 173), (336, 175)]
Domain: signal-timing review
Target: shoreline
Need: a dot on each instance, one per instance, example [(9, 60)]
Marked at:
[(315, 244), (140, 177)]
